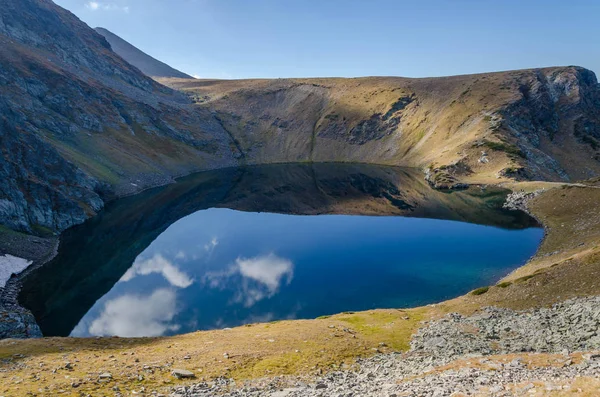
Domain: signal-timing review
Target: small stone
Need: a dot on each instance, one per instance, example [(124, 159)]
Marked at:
[(528, 387), (105, 375), (321, 386), (182, 373), (515, 363), (590, 356)]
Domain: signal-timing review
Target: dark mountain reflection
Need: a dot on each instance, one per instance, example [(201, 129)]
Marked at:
[(94, 256)]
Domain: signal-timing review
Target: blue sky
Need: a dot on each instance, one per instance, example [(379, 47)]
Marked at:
[(348, 38)]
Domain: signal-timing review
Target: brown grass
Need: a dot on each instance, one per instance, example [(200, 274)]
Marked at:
[(280, 348)]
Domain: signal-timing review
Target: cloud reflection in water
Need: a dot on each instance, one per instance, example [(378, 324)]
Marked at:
[(261, 277), (158, 264), (136, 315)]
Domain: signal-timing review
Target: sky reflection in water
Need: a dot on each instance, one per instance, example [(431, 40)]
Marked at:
[(219, 268)]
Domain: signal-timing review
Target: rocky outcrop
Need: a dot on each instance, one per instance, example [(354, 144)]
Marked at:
[(517, 201), (376, 127), (40, 191), (555, 107), (17, 322)]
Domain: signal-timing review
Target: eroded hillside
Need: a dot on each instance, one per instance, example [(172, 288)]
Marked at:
[(529, 124)]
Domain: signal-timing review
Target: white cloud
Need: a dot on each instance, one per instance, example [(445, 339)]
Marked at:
[(96, 5), (136, 316), (158, 264), (261, 277), (210, 246), (268, 270), (11, 264)]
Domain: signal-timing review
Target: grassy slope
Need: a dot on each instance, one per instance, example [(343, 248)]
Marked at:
[(562, 268), (427, 131), (444, 121)]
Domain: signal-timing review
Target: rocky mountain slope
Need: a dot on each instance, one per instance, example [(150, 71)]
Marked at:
[(530, 124), (148, 65), (78, 124)]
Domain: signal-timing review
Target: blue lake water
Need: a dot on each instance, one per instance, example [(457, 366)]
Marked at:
[(220, 267)]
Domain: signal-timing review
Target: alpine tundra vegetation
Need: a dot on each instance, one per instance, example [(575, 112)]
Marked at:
[(162, 234)]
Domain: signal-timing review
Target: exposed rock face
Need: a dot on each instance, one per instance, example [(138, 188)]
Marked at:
[(376, 127), (18, 323), (556, 107), (39, 188), (144, 62), (78, 124)]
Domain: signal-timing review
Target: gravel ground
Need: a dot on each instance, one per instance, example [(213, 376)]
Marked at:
[(563, 329)]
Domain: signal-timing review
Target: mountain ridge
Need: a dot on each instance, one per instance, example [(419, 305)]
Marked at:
[(80, 125), (474, 128), (147, 64)]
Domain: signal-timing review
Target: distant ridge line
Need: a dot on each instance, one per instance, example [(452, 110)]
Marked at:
[(147, 64)]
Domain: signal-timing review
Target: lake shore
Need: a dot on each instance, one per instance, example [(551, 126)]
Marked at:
[(18, 321), (565, 267)]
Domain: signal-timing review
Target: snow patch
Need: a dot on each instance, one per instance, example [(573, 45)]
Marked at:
[(11, 264)]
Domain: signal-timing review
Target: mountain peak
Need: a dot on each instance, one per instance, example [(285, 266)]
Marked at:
[(147, 64)]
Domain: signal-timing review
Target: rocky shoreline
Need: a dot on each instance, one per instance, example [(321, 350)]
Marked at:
[(427, 370), (517, 201), (16, 321)]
